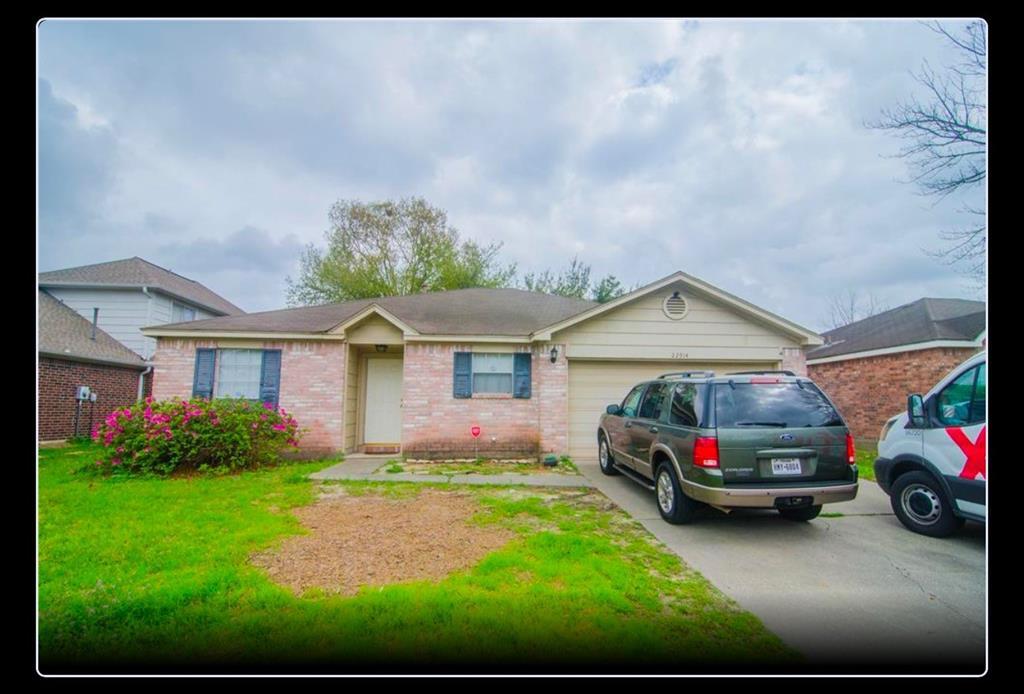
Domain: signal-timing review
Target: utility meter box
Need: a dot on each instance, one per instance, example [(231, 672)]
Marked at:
[(83, 393)]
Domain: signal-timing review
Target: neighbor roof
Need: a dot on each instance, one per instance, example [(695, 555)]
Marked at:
[(136, 272), (511, 312), (924, 320), (65, 334)]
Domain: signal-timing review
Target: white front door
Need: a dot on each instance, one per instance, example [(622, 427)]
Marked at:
[(383, 401)]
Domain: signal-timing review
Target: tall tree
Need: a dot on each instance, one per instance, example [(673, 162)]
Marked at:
[(390, 248), (946, 135), (607, 289), (573, 282)]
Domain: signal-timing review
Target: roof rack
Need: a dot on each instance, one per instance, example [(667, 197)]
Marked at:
[(758, 373), (689, 374)]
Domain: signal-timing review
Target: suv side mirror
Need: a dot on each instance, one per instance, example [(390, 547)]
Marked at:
[(915, 411), (613, 409)]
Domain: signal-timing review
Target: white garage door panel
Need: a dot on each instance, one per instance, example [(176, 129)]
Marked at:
[(593, 385)]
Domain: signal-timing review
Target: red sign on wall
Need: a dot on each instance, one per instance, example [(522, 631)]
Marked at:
[(475, 431)]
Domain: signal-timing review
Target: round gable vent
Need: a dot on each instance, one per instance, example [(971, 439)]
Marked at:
[(675, 306)]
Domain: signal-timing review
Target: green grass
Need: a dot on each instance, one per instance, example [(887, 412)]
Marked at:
[(483, 466), (866, 463), (831, 515), (155, 572)]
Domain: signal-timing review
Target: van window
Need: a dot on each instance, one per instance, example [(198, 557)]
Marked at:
[(629, 405), (759, 405), (960, 403), (653, 402)]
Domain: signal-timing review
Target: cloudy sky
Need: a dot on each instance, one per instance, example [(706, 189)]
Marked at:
[(733, 150)]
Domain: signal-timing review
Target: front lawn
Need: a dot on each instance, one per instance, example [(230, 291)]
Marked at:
[(156, 574), (866, 463)]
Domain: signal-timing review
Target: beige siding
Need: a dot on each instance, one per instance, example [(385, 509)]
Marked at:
[(593, 385), (640, 330), (374, 331), (351, 396)]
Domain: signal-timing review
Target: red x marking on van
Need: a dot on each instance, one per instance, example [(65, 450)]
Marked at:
[(975, 452)]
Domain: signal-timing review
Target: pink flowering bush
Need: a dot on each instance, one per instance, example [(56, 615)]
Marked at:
[(219, 435)]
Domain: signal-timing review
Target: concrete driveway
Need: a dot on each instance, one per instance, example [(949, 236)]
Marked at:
[(858, 593)]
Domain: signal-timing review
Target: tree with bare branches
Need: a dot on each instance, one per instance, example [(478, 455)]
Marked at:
[(849, 307), (946, 136)]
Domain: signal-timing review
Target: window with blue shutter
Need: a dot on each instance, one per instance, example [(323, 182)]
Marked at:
[(521, 375), (202, 379), (463, 380), (270, 376)]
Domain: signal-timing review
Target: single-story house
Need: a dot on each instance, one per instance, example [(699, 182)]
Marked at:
[(74, 353), (869, 367), (416, 373)]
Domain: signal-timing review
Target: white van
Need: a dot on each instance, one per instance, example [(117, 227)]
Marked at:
[(932, 458)]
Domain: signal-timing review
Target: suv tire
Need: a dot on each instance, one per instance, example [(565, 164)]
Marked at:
[(604, 456), (921, 504), (801, 514), (674, 506)]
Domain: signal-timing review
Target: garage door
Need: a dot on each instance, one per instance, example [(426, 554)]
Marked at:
[(593, 385)]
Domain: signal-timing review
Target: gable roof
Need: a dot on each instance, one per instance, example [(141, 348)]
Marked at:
[(925, 320), (506, 312), (65, 334), (136, 272)]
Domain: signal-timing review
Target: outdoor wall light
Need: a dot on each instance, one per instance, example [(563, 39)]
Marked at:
[(381, 348), (554, 354)]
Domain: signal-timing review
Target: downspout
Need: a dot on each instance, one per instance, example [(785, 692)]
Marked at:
[(142, 378)]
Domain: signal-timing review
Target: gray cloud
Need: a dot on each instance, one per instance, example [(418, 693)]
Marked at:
[(732, 150)]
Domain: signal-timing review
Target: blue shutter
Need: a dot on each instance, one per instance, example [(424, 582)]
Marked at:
[(202, 379), (463, 380), (270, 376), (521, 375)]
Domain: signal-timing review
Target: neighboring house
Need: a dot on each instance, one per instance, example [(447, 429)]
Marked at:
[(73, 354), (534, 371), (869, 368), (131, 294)]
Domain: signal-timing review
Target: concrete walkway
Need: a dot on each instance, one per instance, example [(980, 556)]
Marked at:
[(361, 468), (853, 592)]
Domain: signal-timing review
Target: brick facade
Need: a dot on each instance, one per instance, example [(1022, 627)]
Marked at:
[(436, 424), (868, 391), (794, 359), (312, 382), (59, 380)]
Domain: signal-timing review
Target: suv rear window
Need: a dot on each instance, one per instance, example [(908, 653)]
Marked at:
[(773, 405)]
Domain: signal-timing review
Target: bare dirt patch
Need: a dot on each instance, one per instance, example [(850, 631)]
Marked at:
[(373, 540)]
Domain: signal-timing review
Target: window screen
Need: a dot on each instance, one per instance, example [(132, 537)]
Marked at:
[(492, 373), (238, 373)]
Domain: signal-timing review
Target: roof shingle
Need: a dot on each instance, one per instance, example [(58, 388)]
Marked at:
[(136, 272), (64, 333), (921, 321), (511, 312)]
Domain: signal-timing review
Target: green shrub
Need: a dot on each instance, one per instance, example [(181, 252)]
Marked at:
[(218, 435)]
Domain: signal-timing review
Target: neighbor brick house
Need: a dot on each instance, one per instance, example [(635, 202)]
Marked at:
[(869, 367), (415, 373), (72, 354)]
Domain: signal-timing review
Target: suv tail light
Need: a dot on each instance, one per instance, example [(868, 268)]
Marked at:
[(851, 452), (705, 451)]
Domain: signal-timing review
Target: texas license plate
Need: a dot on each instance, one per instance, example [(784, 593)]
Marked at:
[(785, 466)]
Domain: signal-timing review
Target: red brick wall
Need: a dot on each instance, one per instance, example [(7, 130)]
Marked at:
[(312, 383), (870, 390), (59, 380), (436, 424)]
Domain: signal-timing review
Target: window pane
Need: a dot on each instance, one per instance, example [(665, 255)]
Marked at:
[(651, 408), (978, 402), (954, 405), (756, 405), (238, 373), (685, 408), (629, 405), (492, 373)]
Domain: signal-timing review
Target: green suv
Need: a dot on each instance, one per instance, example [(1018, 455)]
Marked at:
[(765, 439)]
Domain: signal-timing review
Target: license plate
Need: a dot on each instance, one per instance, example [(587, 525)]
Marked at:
[(785, 466)]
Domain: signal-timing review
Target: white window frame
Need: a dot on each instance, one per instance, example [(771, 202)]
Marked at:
[(176, 307), (511, 373)]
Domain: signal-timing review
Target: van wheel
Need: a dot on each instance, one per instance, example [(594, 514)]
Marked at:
[(920, 503), (675, 507), (801, 514), (604, 456)]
